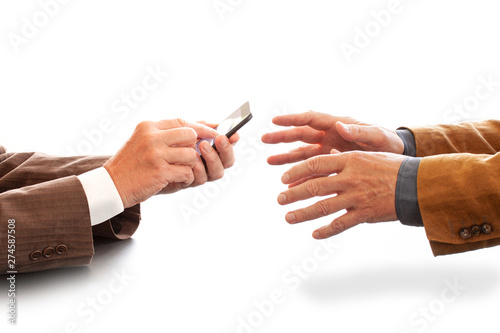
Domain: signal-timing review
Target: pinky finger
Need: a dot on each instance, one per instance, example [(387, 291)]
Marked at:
[(339, 225)]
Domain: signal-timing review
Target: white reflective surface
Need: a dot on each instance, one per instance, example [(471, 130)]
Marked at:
[(221, 258)]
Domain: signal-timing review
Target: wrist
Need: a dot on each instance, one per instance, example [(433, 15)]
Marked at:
[(113, 173), (398, 144)]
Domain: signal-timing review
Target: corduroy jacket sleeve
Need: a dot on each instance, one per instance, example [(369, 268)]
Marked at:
[(42, 194), (458, 185)]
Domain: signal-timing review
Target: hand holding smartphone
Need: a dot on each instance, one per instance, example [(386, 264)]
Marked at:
[(231, 124)]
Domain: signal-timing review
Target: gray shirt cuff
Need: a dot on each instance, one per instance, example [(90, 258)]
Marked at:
[(407, 208), (409, 141)]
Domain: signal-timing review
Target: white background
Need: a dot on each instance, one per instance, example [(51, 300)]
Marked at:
[(204, 271)]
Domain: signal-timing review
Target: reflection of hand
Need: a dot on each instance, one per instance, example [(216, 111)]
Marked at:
[(325, 132), (160, 156), (363, 183)]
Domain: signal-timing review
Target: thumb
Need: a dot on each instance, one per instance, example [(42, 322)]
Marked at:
[(358, 133)]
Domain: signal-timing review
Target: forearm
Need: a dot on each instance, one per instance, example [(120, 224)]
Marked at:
[(457, 192), (24, 169), (46, 216)]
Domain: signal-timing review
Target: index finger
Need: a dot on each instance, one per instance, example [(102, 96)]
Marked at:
[(317, 165), (206, 123), (316, 120), (203, 131), (302, 133)]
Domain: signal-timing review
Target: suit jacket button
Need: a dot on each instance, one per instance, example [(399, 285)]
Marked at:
[(35, 255), (48, 252), (61, 249), (486, 228), (475, 230), (465, 233)]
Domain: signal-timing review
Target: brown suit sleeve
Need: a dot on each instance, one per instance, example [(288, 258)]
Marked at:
[(470, 137), (47, 201), (459, 189)]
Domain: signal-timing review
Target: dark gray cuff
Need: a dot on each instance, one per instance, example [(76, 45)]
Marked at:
[(407, 207), (409, 141)]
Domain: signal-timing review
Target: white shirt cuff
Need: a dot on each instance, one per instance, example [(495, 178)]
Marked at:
[(103, 197)]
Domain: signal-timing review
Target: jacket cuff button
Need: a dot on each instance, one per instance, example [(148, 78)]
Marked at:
[(486, 228), (61, 249), (475, 230), (48, 252), (465, 233), (35, 255)]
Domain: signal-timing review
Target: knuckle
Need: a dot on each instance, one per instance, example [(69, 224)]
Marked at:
[(313, 164), (192, 155), (337, 226), (229, 163), (191, 134), (322, 208), (181, 122), (352, 156), (357, 130), (149, 139), (152, 154), (143, 125), (312, 187), (202, 178), (187, 174), (218, 174), (352, 179), (301, 215)]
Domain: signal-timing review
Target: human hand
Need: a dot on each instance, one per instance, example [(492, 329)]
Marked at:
[(324, 132), (362, 183), (215, 160), (159, 157)]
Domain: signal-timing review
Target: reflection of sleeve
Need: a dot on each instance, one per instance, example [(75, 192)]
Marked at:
[(51, 211), (459, 194)]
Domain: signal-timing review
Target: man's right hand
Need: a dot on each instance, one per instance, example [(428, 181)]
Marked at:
[(158, 155), (324, 132)]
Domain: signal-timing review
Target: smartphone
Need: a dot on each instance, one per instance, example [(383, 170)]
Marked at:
[(231, 124)]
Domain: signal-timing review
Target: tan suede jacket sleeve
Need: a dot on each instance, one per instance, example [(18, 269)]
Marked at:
[(42, 194), (458, 185)]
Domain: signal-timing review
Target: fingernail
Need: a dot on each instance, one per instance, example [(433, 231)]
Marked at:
[(316, 234), (290, 217), (285, 178), (345, 127), (224, 141), (282, 198)]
